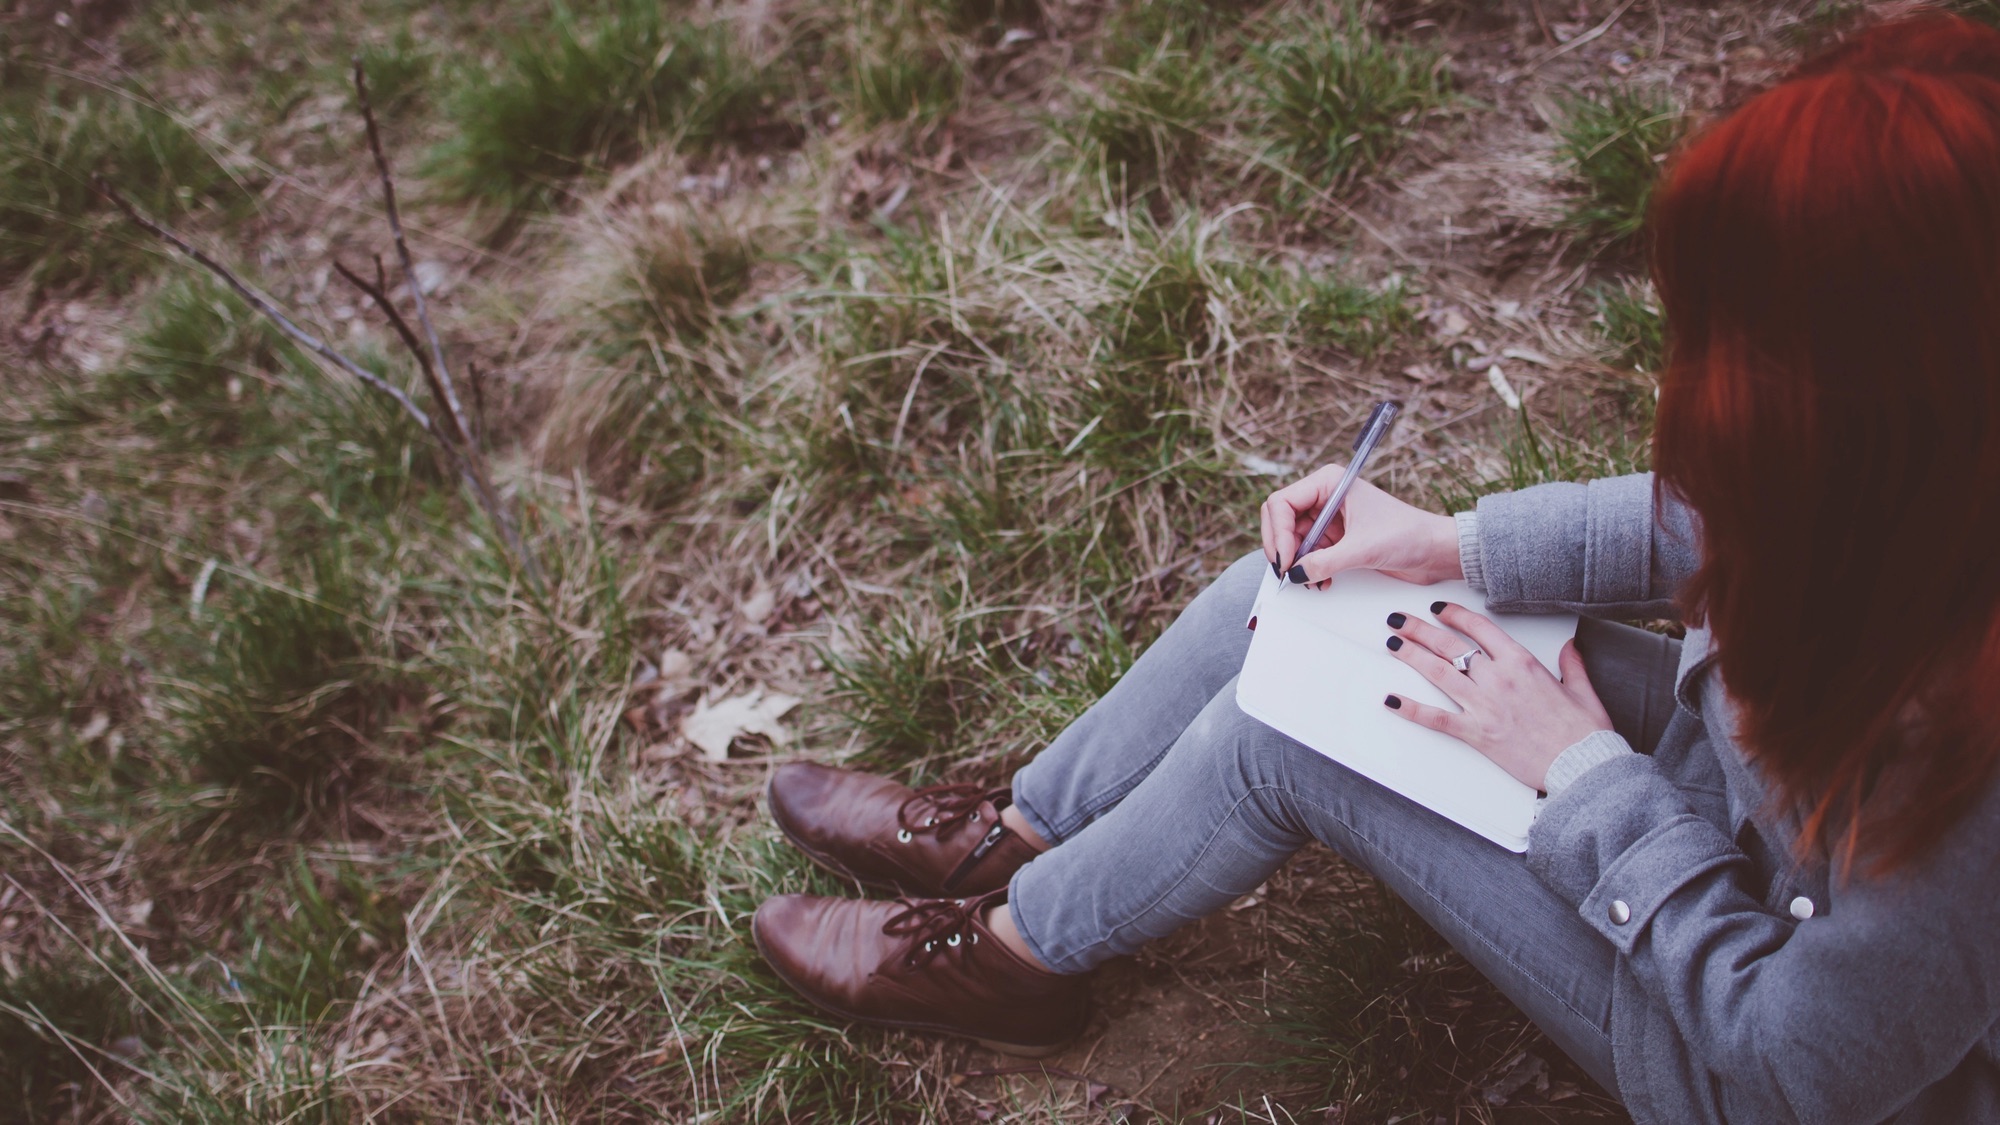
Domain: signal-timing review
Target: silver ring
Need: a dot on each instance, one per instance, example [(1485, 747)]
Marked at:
[(1463, 661)]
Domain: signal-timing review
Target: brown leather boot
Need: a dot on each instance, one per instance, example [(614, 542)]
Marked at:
[(923, 964), (941, 840)]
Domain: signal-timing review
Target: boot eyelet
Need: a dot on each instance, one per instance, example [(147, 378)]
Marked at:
[(903, 836), (975, 937), (931, 823), (952, 941), (929, 946)]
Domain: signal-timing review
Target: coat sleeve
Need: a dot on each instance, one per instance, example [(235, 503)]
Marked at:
[(1600, 549), (1847, 1016)]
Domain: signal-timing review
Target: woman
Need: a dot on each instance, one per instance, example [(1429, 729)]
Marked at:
[(1762, 885)]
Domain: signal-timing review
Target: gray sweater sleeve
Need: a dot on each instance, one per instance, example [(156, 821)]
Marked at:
[(1596, 549), (1846, 1016)]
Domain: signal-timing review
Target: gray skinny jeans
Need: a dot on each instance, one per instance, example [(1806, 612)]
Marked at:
[(1165, 802)]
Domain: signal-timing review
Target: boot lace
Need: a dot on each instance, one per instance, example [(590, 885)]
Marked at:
[(940, 808), (934, 925)]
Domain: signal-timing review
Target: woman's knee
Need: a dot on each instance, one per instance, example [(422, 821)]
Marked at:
[(1226, 602), (1243, 750)]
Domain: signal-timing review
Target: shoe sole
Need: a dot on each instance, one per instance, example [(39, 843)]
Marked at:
[(828, 863), (1018, 1050)]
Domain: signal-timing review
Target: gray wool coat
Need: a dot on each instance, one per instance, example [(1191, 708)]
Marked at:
[(1750, 987)]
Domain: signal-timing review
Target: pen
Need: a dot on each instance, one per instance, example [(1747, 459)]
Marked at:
[(1380, 420)]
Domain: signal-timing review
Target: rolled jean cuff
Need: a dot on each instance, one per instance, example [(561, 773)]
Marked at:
[(1027, 932), (1035, 821)]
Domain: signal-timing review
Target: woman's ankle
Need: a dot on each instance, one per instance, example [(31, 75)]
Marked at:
[(1000, 923), (1018, 824)]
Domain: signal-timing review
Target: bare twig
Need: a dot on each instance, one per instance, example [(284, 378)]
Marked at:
[(263, 305), (449, 392), (1542, 21), (464, 457), (379, 294)]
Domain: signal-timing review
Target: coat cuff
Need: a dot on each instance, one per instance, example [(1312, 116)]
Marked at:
[(1592, 750), (1469, 557)]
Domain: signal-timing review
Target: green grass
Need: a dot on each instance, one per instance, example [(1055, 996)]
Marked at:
[(903, 65), (1361, 320), (908, 688), (1135, 32), (1633, 326), (1614, 145), (1143, 128), (400, 72), (55, 229), (1576, 444), (1337, 98), (282, 718), (56, 1020), (580, 93), (200, 367), (309, 955)]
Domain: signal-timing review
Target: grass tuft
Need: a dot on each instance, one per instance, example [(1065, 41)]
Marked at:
[(1143, 127), (54, 227), (281, 721), (683, 270), (1362, 320), (309, 956), (199, 367), (907, 687), (1614, 145), (400, 71), (53, 1017), (903, 65), (1634, 329), (1572, 448), (574, 94), (1337, 97)]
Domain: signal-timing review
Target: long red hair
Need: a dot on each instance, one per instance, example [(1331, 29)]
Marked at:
[(1828, 256)]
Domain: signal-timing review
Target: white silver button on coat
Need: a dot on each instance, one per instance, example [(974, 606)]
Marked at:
[(1802, 908), (1620, 913)]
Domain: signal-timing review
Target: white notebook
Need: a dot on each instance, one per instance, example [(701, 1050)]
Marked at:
[(1318, 670)]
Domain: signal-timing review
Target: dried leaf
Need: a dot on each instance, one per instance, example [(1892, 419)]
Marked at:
[(1264, 466), (1525, 1069), (758, 605), (713, 727), (1498, 379)]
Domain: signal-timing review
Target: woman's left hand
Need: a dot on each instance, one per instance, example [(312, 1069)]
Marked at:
[(1512, 710)]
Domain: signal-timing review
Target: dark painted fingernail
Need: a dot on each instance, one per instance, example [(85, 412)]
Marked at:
[(1395, 643), (1396, 620), (1276, 570), (1298, 574), (1393, 703), (1437, 607)]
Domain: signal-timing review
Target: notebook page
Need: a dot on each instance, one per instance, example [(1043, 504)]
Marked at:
[(1317, 671)]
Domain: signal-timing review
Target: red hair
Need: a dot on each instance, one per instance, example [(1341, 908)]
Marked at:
[(1829, 259)]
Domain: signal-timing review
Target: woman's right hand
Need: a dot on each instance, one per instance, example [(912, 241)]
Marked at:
[(1374, 531)]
